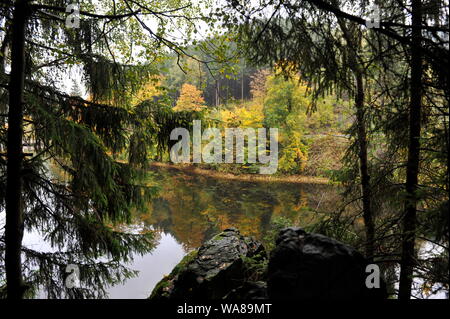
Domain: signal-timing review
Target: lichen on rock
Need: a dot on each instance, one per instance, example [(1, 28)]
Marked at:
[(301, 266), (212, 271)]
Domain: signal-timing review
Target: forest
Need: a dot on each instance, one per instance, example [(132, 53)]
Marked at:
[(91, 90)]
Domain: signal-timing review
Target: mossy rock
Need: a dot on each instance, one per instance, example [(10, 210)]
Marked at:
[(212, 271), (165, 285)]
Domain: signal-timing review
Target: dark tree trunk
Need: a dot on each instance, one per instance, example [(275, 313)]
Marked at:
[(363, 167), (14, 206), (412, 168), (354, 45)]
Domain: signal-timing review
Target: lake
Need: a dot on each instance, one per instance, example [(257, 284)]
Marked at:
[(191, 208)]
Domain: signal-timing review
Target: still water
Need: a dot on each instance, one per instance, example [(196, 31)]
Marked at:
[(190, 208)]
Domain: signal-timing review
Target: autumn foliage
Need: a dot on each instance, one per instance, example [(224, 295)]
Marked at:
[(190, 99)]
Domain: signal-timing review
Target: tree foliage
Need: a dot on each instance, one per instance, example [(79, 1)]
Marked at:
[(190, 99), (75, 194)]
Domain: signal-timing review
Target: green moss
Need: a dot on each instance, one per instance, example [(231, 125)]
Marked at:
[(218, 236), (276, 225), (159, 288), (255, 267), (167, 280), (183, 263)]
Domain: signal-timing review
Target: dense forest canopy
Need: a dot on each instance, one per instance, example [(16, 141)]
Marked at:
[(87, 105)]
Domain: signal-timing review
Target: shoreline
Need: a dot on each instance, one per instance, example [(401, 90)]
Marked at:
[(294, 179)]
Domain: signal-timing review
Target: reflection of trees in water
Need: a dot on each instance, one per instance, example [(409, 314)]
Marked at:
[(193, 208)]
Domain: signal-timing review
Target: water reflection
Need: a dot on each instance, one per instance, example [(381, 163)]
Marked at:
[(193, 207), (152, 267)]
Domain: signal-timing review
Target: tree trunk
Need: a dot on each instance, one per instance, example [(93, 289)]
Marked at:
[(363, 167), (412, 168), (218, 93), (354, 45), (242, 85), (14, 206)]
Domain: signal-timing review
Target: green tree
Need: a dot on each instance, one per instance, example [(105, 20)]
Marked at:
[(383, 69), (80, 214)]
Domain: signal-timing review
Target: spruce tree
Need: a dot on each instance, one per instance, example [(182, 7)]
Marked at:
[(403, 65), (68, 186)]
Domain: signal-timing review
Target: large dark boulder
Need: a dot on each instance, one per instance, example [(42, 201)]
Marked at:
[(312, 266), (212, 272)]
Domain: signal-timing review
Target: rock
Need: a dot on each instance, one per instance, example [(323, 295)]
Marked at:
[(249, 291), (312, 266), (302, 266), (211, 272)]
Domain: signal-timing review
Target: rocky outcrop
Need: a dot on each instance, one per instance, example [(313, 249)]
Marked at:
[(302, 266), (213, 271), (312, 266)]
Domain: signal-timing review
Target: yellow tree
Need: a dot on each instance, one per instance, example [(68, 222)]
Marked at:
[(150, 89), (190, 99)]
